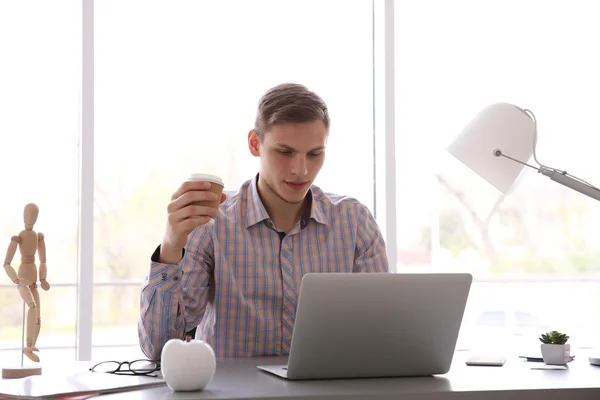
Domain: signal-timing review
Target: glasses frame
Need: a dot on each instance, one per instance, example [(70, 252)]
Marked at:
[(128, 371)]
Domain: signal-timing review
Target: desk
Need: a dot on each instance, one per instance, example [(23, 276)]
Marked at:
[(239, 379)]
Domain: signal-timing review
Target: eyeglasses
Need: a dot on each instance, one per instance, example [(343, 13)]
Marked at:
[(137, 367)]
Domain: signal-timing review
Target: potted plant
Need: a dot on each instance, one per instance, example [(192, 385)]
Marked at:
[(555, 349)]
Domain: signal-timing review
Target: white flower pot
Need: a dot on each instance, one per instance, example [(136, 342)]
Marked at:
[(556, 354)]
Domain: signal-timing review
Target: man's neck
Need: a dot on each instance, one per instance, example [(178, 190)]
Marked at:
[(283, 214)]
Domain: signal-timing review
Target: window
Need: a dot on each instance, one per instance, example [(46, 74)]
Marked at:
[(39, 107), (534, 252), (176, 90)]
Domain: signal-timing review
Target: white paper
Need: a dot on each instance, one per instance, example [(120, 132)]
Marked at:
[(545, 366), (45, 386)]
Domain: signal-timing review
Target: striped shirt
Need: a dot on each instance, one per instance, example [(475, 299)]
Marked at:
[(239, 279)]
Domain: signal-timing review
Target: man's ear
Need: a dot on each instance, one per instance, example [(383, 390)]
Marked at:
[(253, 143)]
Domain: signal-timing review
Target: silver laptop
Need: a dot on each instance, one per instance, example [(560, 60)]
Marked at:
[(365, 325)]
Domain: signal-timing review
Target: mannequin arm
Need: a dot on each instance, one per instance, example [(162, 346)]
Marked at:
[(42, 255), (10, 254)]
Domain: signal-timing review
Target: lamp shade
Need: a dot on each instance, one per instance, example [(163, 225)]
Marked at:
[(500, 126)]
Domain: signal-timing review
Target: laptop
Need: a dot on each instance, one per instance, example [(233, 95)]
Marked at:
[(375, 325)]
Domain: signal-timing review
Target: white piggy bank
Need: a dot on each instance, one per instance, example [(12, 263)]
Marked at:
[(187, 365)]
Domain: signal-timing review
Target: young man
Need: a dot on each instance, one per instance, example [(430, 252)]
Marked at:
[(238, 280)]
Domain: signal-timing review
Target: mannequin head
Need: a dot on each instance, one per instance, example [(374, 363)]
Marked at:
[(30, 215)]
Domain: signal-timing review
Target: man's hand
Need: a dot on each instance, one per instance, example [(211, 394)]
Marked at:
[(184, 217)]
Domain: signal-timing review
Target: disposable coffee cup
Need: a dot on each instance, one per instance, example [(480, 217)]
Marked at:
[(216, 186)]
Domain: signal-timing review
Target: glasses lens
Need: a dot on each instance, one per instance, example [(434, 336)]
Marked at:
[(107, 366), (142, 366)]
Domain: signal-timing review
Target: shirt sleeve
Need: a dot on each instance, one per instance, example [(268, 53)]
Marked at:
[(174, 296), (370, 254)]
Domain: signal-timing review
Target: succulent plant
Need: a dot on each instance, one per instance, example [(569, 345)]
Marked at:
[(554, 337)]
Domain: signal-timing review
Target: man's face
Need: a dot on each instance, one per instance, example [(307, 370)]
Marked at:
[(291, 156)]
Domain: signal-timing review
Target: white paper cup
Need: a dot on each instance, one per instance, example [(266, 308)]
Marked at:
[(216, 186)]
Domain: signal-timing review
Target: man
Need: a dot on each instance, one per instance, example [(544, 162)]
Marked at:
[(237, 280)]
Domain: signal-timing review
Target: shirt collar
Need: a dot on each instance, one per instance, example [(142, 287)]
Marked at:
[(256, 211)]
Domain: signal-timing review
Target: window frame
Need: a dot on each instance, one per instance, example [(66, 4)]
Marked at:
[(384, 175)]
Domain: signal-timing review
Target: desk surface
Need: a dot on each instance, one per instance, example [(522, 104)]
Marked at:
[(240, 379)]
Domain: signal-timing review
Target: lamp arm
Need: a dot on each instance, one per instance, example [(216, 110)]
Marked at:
[(571, 182), (562, 177)]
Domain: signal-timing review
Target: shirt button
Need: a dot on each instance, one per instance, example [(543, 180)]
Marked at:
[(176, 278)]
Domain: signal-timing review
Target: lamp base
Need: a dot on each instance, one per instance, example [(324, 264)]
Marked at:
[(21, 372)]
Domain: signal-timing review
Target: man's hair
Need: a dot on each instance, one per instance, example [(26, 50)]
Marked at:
[(289, 103)]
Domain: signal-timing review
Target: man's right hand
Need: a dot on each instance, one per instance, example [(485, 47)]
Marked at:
[(184, 217)]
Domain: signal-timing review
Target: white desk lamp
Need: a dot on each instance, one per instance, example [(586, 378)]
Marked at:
[(498, 143)]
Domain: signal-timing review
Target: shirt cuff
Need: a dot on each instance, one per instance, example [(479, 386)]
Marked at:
[(165, 277)]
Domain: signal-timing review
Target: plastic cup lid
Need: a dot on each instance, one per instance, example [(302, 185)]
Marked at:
[(206, 178)]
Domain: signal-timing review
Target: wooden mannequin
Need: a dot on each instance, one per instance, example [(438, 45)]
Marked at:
[(29, 242)]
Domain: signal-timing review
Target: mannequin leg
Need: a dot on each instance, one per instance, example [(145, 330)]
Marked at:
[(27, 297), (38, 313)]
